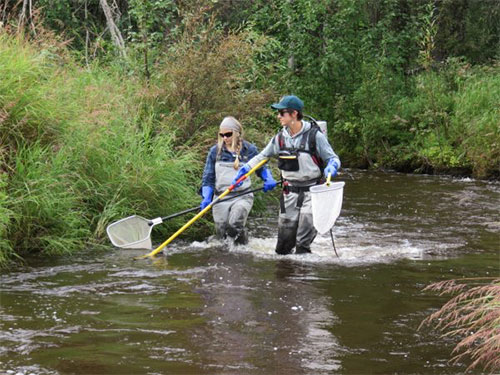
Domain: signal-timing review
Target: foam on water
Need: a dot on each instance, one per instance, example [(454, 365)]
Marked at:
[(351, 251)]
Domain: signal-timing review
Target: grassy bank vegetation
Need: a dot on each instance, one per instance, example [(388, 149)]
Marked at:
[(79, 149), (444, 121), (83, 146)]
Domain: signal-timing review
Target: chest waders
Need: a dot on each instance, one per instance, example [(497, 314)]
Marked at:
[(230, 217), (300, 169)]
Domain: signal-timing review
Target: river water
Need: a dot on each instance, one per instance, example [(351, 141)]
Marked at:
[(212, 308)]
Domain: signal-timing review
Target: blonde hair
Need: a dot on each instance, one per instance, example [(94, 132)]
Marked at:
[(236, 142)]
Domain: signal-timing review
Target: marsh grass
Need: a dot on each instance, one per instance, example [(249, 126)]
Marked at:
[(47, 214), (472, 315), (79, 150)]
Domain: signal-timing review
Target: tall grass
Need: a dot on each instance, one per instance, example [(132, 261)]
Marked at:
[(6, 251), (79, 150), (48, 215), (472, 315), (476, 122), (30, 94)]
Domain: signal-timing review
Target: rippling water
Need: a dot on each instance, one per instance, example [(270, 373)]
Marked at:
[(212, 308)]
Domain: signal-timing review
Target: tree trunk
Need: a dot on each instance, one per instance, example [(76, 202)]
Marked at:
[(22, 15), (116, 36)]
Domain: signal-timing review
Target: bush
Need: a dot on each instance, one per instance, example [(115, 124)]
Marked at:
[(207, 75)]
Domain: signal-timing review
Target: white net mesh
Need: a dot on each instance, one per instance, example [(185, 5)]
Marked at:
[(132, 232), (326, 203)]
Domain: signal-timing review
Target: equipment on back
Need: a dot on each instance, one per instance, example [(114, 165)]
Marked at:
[(288, 156)]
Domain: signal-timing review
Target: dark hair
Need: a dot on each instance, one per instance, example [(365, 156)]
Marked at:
[(300, 116)]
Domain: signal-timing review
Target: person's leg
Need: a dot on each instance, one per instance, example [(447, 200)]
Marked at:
[(237, 219), (287, 225), (220, 212), (305, 230)]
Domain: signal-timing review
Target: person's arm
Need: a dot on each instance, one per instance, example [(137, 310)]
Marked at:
[(208, 178), (325, 151), (253, 151), (270, 150)]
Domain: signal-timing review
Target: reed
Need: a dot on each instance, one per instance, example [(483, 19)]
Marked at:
[(473, 315), (48, 216)]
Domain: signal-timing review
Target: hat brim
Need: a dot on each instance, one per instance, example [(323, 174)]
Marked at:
[(278, 106)]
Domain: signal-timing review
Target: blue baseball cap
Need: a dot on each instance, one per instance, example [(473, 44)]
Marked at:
[(289, 102)]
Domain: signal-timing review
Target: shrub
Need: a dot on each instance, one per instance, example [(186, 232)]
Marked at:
[(207, 75)]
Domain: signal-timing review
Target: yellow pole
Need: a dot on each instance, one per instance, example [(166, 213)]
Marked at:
[(202, 212), (328, 179)]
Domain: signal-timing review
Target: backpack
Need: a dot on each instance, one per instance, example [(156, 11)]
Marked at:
[(310, 139)]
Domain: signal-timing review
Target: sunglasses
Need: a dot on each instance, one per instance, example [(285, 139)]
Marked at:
[(282, 112), (226, 135)]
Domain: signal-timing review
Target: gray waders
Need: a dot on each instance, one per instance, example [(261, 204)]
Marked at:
[(230, 217), (295, 223)]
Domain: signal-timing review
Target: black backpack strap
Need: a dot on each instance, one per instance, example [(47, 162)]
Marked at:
[(304, 140), (311, 139)]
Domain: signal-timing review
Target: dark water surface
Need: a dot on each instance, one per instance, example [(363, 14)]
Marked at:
[(210, 308)]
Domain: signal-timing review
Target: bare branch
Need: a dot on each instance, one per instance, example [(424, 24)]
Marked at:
[(116, 35)]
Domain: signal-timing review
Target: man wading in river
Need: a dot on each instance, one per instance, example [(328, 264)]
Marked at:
[(302, 151)]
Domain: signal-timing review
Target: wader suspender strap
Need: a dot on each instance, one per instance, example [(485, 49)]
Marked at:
[(306, 138), (284, 184), (300, 199), (282, 202)]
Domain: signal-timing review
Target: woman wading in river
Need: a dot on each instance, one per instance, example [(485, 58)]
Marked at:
[(222, 164)]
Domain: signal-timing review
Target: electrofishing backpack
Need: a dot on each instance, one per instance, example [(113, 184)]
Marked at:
[(287, 159)]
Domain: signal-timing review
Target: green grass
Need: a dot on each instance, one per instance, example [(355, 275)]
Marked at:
[(79, 151)]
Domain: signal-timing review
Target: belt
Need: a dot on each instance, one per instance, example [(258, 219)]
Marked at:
[(287, 188), (293, 189), (298, 189)]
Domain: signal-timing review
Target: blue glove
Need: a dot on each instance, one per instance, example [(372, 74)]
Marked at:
[(332, 167), (267, 177), (243, 171), (206, 192)]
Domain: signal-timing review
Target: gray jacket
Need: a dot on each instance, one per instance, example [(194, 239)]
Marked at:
[(308, 170)]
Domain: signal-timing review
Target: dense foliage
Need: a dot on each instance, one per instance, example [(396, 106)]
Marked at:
[(78, 151), (108, 107)]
